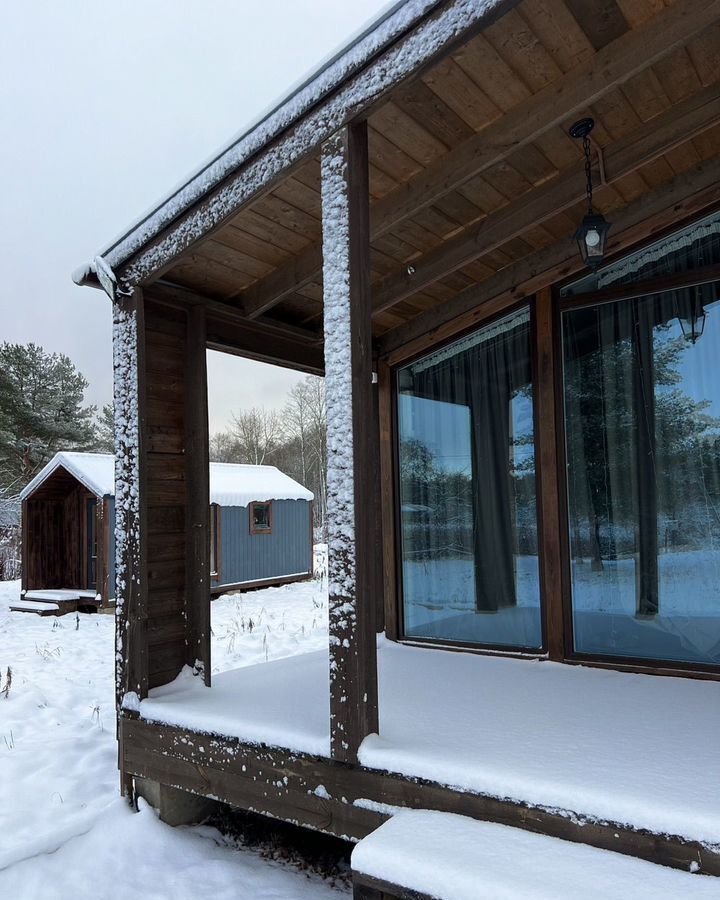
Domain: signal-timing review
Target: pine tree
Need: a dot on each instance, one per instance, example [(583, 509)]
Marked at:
[(41, 411)]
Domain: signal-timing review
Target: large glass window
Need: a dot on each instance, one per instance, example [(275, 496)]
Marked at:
[(642, 422), (467, 490)]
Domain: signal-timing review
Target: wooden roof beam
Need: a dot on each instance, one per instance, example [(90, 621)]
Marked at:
[(229, 332), (647, 143), (686, 195)]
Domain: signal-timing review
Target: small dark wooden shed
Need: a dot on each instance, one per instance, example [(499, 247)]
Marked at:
[(261, 531)]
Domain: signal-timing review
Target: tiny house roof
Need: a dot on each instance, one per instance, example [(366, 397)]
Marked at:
[(230, 484)]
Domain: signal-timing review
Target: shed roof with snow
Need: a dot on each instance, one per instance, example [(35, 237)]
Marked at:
[(230, 484)]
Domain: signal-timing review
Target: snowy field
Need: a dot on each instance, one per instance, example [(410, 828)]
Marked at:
[(64, 831)]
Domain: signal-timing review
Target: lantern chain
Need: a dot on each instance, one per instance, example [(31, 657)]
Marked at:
[(588, 172)]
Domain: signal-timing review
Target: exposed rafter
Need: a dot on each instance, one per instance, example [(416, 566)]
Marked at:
[(679, 124), (686, 195)]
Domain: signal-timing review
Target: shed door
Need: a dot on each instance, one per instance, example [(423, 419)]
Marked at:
[(91, 545)]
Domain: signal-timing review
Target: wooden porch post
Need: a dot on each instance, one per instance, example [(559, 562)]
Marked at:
[(131, 644), (352, 469), (197, 457)]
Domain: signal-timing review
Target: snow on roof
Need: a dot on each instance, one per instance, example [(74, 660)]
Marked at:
[(95, 470), (239, 485), (230, 484), (392, 22)]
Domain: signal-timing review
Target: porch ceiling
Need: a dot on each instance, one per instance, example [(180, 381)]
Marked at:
[(471, 166)]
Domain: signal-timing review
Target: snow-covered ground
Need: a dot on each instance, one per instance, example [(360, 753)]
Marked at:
[(64, 831)]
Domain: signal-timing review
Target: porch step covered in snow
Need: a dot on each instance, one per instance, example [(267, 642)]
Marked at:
[(55, 602), (40, 607), (420, 854)]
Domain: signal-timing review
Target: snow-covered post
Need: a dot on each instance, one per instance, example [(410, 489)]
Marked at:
[(352, 542), (131, 680)]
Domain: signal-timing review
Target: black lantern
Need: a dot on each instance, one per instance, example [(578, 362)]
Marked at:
[(592, 234)]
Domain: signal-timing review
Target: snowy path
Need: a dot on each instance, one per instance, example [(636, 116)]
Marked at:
[(64, 831)]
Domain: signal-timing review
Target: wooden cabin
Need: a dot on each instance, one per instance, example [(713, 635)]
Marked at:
[(524, 454), (260, 519)]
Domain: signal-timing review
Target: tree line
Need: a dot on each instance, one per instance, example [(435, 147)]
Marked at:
[(294, 439)]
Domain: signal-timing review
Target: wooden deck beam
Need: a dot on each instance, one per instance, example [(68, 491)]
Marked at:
[(228, 331), (555, 104), (285, 785), (352, 468)]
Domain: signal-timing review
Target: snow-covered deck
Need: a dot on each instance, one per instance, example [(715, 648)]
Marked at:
[(635, 749)]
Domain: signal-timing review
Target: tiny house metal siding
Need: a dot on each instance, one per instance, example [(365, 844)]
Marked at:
[(253, 557)]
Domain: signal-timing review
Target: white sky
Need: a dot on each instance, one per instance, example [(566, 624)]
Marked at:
[(104, 107)]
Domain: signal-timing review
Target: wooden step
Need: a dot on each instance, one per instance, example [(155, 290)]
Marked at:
[(39, 607), (429, 855)]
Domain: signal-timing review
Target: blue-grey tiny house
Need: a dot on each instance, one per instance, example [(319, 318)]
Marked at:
[(260, 527), (261, 532)]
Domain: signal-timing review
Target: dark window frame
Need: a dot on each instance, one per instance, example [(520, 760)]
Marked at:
[(472, 646), (253, 528), (555, 588), (704, 275)]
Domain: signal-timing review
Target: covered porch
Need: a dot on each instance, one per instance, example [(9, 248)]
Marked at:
[(602, 757), (403, 226)]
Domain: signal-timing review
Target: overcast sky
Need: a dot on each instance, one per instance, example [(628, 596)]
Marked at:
[(105, 106)]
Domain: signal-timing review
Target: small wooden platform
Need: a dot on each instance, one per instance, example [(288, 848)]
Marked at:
[(55, 602)]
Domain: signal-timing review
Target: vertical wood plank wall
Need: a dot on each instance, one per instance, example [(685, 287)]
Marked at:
[(163, 620), (166, 497)]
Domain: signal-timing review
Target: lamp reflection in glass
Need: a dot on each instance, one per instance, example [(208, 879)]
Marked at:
[(692, 323), (592, 234)]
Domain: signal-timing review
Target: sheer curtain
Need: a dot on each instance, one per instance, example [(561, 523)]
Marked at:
[(467, 490)]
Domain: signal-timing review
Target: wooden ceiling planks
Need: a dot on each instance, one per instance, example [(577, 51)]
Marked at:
[(532, 46)]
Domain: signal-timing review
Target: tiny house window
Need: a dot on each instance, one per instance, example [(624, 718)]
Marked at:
[(260, 518)]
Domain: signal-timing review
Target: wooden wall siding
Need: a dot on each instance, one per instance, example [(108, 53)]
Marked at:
[(110, 549), (352, 452), (197, 474), (253, 557), (165, 490), (54, 534), (479, 132)]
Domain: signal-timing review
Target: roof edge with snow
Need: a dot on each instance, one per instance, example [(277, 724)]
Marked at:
[(358, 54), (231, 484)]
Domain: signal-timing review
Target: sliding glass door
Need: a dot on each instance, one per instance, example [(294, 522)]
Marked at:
[(467, 490), (642, 426)]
